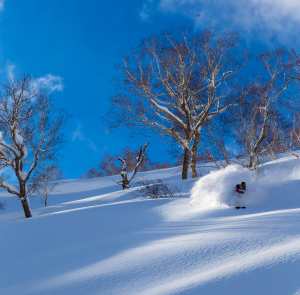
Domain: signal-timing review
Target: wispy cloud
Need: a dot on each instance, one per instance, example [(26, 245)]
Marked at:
[(10, 71), (279, 16), (79, 135), (2, 2), (49, 83), (146, 10)]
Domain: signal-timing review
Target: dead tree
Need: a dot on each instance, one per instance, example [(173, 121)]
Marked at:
[(259, 119), (177, 85), (30, 134), (126, 178)]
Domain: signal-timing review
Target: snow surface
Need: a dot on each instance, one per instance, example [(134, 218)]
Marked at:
[(96, 239)]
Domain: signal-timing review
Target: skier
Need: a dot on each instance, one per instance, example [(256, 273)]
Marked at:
[(240, 189), (243, 186)]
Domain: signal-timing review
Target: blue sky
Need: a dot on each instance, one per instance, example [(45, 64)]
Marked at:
[(79, 44)]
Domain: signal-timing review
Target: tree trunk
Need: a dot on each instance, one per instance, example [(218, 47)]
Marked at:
[(46, 199), (185, 164), (24, 201), (125, 181), (195, 155), (26, 207), (253, 161)]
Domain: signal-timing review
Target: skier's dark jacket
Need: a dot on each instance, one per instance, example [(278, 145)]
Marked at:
[(238, 189)]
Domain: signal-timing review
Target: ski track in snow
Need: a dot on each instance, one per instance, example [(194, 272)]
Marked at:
[(97, 240)]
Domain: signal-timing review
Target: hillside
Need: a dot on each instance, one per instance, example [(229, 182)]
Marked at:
[(96, 239)]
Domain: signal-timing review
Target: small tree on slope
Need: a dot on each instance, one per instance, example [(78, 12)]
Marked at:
[(30, 134), (45, 181), (126, 179)]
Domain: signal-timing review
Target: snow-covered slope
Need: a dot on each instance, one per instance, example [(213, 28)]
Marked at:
[(96, 239)]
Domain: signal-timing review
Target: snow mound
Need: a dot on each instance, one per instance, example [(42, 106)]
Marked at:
[(275, 184)]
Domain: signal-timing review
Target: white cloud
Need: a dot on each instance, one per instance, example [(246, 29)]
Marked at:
[(10, 71), (2, 2), (78, 135), (273, 15), (144, 14), (146, 10), (49, 83)]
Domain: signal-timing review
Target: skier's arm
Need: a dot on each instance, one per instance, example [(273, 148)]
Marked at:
[(240, 191)]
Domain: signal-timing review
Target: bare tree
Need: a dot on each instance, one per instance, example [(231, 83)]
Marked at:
[(177, 85), (261, 104), (30, 134), (293, 141), (110, 164), (126, 178), (295, 132), (106, 167), (44, 182)]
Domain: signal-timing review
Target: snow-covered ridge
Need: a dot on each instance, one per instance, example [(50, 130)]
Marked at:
[(97, 239)]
